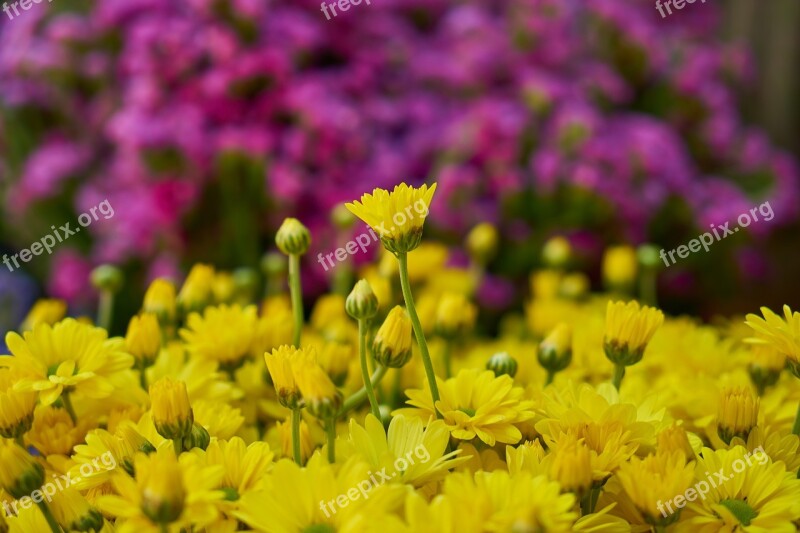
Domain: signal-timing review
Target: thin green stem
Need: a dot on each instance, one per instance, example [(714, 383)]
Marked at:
[(297, 297), (298, 458), (549, 379), (105, 309), (51, 521), (402, 258), (331, 431), (362, 350), (68, 405), (796, 426), (358, 397), (619, 373)]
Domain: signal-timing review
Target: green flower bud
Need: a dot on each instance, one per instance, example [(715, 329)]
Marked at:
[(293, 238), (107, 278), (361, 303), (502, 363)]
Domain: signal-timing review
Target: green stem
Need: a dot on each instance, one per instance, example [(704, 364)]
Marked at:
[(402, 258), (362, 350), (298, 458), (589, 500), (51, 521), (796, 426), (105, 308), (178, 445), (549, 379), (297, 297), (647, 287), (448, 367), (358, 397), (68, 405), (619, 373), (331, 431)]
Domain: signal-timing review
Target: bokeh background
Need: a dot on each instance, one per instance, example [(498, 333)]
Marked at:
[(205, 122)]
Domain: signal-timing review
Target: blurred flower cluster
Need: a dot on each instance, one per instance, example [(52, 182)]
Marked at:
[(206, 121), (223, 412)]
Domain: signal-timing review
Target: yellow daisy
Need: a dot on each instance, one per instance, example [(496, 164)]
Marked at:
[(396, 217), (16, 407), (69, 356), (222, 333), (783, 334), (475, 403)]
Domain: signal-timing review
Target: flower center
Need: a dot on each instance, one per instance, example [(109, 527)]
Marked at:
[(741, 510)]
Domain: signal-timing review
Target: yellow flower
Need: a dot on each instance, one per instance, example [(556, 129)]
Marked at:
[(482, 242), (220, 419), (44, 311), (361, 303), (396, 217), (30, 519), (755, 494), (305, 499), (737, 415), (319, 393), (53, 432), (783, 334), (455, 315), (619, 266), (20, 474), (69, 356), (674, 438), (225, 334), (475, 403), (166, 493), (73, 512), (628, 330), (555, 351), (655, 479), (571, 465), (196, 290), (160, 300), (392, 343), (408, 451), (143, 339), (556, 252), (279, 364), (105, 451), (766, 366), (16, 407), (223, 287), (172, 412)]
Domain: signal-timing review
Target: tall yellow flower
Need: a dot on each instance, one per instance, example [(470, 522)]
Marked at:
[(737, 415), (70, 356), (392, 343), (143, 339), (279, 363), (629, 329), (398, 216), (320, 395), (172, 412)]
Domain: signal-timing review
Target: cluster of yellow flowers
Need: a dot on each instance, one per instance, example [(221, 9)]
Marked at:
[(589, 412)]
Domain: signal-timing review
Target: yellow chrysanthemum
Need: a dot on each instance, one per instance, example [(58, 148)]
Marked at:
[(71, 356), (16, 407), (196, 290), (222, 333), (166, 494), (655, 479), (20, 474), (160, 300), (44, 311), (172, 412), (783, 334), (53, 431), (396, 217), (619, 266), (220, 419), (143, 338), (319, 497), (279, 364), (408, 451), (320, 395), (73, 512), (737, 414), (104, 452), (755, 494), (393, 341), (475, 403), (629, 328)]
